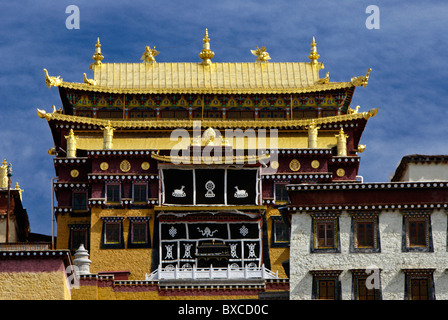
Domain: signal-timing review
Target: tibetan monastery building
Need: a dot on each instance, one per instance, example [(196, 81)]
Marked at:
[(173, 175)]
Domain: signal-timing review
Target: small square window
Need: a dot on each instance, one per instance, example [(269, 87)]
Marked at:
[(281, 195), (280, 232), (113, 193), (79, 234), (140, 193), (326, 285), (325, 236), (112, 234), (417, 235), (365, 234), (366, 284), (419, 284), (139, 233), (79, 201)]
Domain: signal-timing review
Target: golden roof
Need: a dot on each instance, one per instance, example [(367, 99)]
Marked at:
[(213, 123), (207, 77)]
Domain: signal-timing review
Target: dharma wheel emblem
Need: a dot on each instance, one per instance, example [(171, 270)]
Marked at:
[(315, 164), (74, 173), (294, 165), (145, 165), (125, 166)]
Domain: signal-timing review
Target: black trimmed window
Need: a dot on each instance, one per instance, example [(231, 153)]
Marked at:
[(325, 233), (112, 233), (419, 284), (280, 232), (365, 233), (139, 193), (366, 284), (326, 285), (113, 193), (79, 234), (280, 193), (139, 236), (79, 201), (417, 232)]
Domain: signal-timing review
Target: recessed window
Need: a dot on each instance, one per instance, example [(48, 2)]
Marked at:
[(140, 193), (280, 232), (79, 234), (281, 195), (366, 284), (139, 232), (326, 285), (79, 201), (112, 233), (113, 193), (419, 284), (325, 236), (417, 235), (365, 235)]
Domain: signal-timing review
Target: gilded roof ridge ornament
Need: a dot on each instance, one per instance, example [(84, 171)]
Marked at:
[(149, 55), (324, 80), (89, 81), (52, 81), (313, 54), (206, 54), (362, 80), (261, 54), (97, 56)]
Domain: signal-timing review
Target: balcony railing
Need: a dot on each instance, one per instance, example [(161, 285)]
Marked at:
[(211, 273)]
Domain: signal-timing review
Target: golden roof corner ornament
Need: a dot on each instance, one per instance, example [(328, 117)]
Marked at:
[(97, 56), (353, 111), (361, 81), (324, 80), (52, 81), (361, 148), (43, 114), (89, 81), (261, 54), (149, 55), (313, 54), (206, 54)]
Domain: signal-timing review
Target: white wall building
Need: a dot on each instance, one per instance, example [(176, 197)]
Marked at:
[(394, 235)]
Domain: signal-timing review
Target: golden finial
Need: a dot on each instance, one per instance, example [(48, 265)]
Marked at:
[(261, 54), (97, 56), (149, 55), (313, 54), (206, 54)]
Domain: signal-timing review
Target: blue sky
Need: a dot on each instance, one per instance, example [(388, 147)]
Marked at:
[(408, 57)]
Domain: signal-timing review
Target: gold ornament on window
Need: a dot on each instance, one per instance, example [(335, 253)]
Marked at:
[(294, 165), (315, 164), (74, 173), (145, 165), (125, 166), (104, 166)]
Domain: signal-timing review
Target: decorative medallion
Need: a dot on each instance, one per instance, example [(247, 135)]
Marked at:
[(104, 166), (274, 164), (315, 164), (145, 165), (340, 172), (294, 165), (125, 166), (74, 173), (209, 186)]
